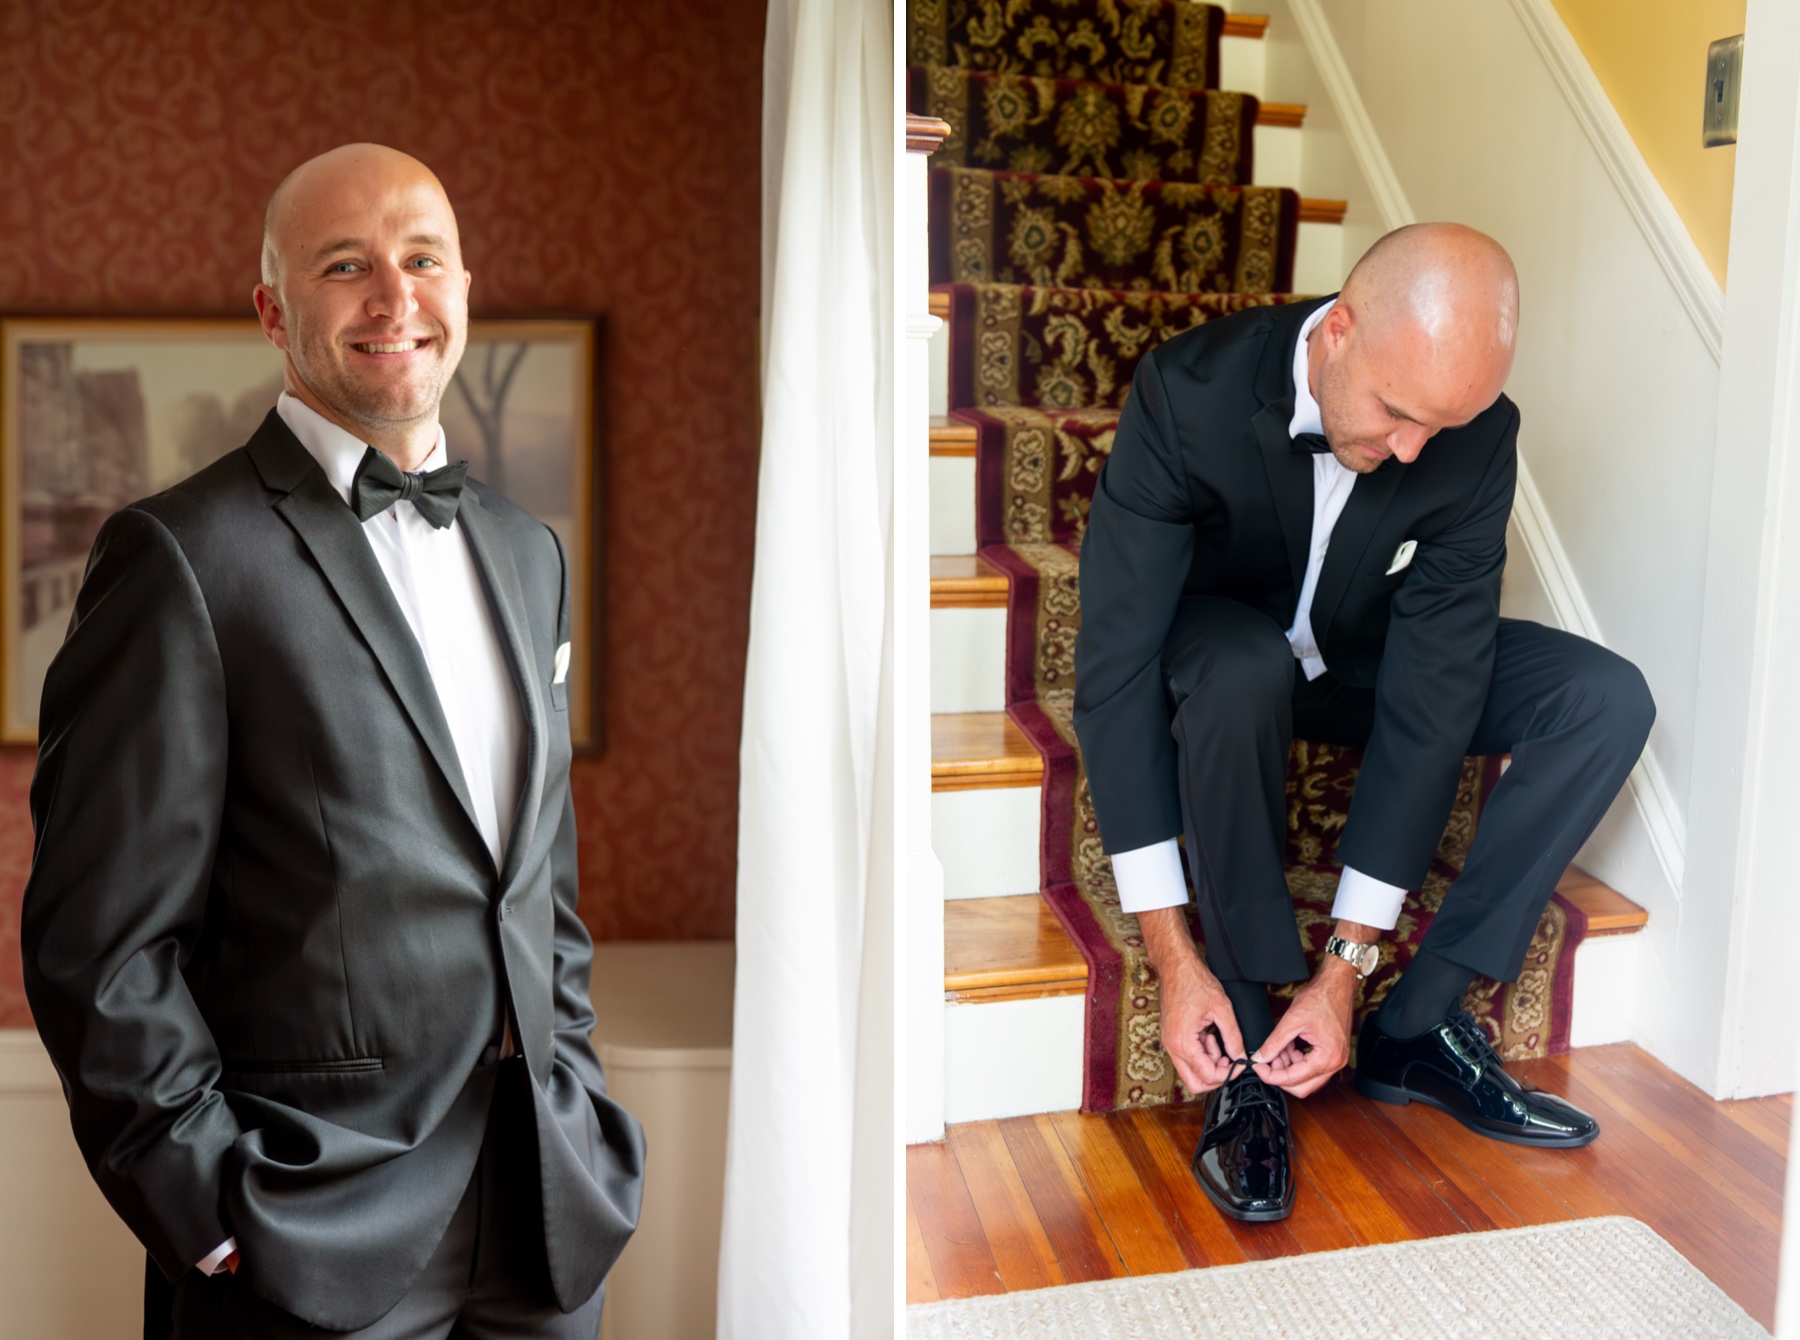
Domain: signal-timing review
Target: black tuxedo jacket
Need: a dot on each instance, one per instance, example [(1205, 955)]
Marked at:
[(263, 939), (1204, 493)]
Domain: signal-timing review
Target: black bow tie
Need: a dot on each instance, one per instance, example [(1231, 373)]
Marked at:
[(1313, 442), (379, 484)]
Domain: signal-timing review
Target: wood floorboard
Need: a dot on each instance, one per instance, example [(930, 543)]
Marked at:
[(1401, 1185), (1082, 1245), (1132, 1222), (1422, 1148), (1021, 1249), (962, 1264), (921, 1284), (1196, 1227), (1113, 1195), (1769, 1119)]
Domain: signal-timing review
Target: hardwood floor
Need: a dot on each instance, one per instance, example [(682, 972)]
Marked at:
[(1036, 1201)]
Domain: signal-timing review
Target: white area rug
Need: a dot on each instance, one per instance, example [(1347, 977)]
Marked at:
[(1569, 1281)]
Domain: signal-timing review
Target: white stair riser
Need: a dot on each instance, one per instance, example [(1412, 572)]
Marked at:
[(1319, 258), (1277, 156), (968, 660), (952, 506), (1012, 1058), (1241, 64), (939, 401), (987, 840), (1605, 989)]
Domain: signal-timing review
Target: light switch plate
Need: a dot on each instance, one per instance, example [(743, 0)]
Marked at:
[(1724, 73)]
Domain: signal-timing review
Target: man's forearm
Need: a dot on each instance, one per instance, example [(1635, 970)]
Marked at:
[(1168, 942)]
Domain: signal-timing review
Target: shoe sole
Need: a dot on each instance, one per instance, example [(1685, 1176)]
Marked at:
[(1224, 1207), (1387, 1093)]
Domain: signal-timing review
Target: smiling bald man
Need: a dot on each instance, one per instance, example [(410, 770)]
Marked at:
[(1300, 531), (300, 933)]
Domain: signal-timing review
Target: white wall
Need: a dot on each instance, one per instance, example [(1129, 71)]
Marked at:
[(1456, 112)]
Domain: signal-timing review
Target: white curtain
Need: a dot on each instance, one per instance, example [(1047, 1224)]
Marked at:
[(808, 1245)]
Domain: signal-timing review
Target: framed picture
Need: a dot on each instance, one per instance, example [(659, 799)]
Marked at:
[(97, 412)]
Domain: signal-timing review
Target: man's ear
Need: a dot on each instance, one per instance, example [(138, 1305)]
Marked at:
[(268, 311)]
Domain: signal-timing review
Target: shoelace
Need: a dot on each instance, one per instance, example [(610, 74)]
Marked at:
[(1475, 1038), (1253, 1094)]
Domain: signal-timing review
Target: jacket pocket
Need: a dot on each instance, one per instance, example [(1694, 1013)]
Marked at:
[(349, 1065)]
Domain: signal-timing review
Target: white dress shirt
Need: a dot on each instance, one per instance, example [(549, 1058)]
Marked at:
[(1150, 877), (435, 582)]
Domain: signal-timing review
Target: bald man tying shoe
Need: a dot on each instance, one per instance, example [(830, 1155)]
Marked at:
[(1301, 531), (300, 933)]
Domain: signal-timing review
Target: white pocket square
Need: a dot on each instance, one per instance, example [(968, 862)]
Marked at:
[(1403, 557), (561, 670)]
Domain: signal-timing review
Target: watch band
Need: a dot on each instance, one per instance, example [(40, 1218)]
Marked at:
[(1362, 957)]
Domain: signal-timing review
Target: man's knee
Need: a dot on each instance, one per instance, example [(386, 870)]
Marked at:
[(1616, 697), (1239, 662)]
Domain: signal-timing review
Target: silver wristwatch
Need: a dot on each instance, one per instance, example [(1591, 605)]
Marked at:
[(1361, 957)]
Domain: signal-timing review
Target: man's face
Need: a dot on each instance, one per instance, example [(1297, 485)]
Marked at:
[(1388, 396), (371, 304)]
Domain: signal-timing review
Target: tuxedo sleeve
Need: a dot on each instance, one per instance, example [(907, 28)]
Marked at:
[(1436, 666), (1134, 560), (127, 803)]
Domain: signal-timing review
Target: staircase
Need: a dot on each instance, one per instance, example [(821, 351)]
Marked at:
[(1015, 982)]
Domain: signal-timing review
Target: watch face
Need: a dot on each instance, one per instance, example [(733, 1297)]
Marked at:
[(1367, 958)]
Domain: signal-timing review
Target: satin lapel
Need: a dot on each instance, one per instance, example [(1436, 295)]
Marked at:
[(500, 575), (1369, 498), (333, 534), (1291, 481)]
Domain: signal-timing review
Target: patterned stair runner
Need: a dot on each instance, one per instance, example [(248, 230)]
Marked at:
[(1090, 202), (1138, 131), (1093, 232)]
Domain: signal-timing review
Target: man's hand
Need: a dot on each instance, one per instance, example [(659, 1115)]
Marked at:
[(1193, 1004), (1311, 1041)]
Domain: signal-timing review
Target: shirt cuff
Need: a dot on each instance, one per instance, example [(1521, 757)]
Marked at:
[(1367, 901), (1150, 877), (216, 1257)]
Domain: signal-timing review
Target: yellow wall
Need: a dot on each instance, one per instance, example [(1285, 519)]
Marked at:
[(1650, 56)]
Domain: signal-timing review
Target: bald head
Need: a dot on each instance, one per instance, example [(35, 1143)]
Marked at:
[(1447, 287), (345, 176), (1421, 339), (365, 293)]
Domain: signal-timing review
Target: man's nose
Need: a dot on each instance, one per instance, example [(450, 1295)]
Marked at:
[(392, 294), (1407, 441)]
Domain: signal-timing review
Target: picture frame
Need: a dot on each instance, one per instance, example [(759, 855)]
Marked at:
[(99, 411)]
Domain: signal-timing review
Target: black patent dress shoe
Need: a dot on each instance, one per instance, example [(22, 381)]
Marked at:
[(1455, 1069), (1244, 1161)]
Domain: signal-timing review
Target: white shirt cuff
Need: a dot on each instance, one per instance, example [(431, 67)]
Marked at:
[(1366, 901), (1150, 877), (216, 1257)]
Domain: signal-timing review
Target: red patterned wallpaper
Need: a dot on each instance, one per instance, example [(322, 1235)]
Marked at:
[(601, 154)]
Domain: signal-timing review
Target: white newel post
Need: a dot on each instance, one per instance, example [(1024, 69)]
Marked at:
[(921, 891)]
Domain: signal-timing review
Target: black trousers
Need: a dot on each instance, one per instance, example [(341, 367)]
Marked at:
[(1573, 715), (488, 1279)]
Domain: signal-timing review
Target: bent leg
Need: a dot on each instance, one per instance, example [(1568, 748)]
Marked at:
[(1230, 673), (1575, 717)]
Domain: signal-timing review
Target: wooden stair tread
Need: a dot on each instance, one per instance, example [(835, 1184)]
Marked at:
[(1245, 25), (1009, 948), (981, 749), (1323, 211), (951, 437), (1288, 115), (1608, 911), (966, 581)]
